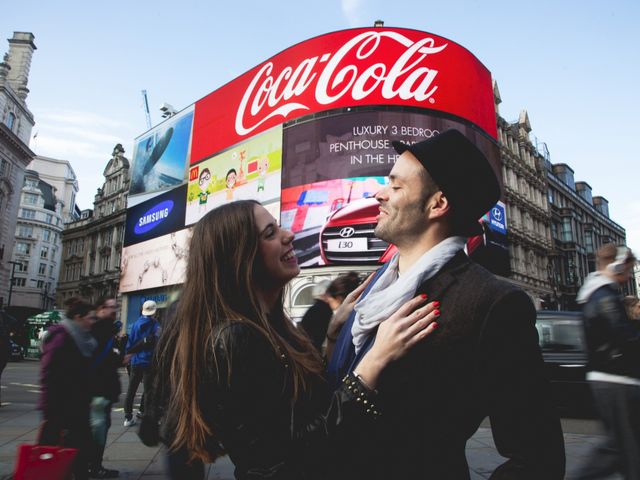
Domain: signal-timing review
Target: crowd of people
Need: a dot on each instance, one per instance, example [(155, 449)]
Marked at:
[(385, 378)]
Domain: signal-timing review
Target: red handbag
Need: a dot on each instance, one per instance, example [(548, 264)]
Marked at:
[(39, 462)]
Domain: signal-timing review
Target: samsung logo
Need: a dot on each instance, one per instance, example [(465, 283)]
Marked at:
[(153, 217)]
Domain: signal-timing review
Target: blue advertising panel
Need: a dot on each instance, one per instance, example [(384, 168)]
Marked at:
[(156, 217), (497, 218)]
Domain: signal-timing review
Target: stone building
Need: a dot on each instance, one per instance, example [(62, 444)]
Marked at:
[(36, 252), (580, 224), (92, 245), (60, 175), (525, 190), (16, 123)]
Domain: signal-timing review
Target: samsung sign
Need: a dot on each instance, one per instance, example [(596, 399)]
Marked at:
[(153, 217), (156, 217)]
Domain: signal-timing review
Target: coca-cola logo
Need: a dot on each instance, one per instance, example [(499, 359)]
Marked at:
[(345, 72)]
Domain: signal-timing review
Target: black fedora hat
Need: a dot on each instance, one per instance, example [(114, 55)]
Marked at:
[(463, 174)]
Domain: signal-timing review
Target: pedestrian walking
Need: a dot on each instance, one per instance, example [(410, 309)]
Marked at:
[(484, 359), (104, 382), (64, 382), (613, 344), (329, 296), (242, 379), (140, 345)]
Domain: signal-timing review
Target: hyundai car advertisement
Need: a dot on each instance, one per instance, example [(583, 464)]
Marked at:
[(333, 167)]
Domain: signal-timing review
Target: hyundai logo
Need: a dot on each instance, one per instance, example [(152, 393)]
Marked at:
[(497, 213), (347, 232)]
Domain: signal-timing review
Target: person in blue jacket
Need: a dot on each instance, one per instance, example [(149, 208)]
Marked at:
[(144, 333)]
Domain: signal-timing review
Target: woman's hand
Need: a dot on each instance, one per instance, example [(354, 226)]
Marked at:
[(344, 310), (413, 322)]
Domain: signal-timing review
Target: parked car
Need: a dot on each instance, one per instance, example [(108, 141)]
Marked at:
[(16, 351), (562, 340)]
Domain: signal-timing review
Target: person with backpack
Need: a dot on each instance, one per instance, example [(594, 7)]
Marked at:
[(142, 337)]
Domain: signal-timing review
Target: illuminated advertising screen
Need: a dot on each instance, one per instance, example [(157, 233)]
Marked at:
[(249, 171), (156, 217), (349, 68), (155, 263), (160, 157), (332, 168)]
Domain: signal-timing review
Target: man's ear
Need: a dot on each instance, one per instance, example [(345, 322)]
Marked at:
[(438, 206)]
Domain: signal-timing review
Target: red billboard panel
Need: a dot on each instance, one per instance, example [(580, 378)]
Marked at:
[(359, 67)]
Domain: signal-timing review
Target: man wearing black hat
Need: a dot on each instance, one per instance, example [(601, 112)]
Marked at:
[(483, 360)]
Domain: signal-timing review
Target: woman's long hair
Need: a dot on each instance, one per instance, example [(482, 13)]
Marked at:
[(221, 282)]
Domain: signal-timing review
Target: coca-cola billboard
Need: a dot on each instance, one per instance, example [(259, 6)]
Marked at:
[(350, 68)]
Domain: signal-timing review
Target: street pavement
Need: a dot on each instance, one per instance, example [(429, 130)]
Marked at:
[(19, 422)]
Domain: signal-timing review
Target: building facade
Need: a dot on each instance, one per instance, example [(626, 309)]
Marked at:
[(528, 217), (36, 252), (60, 175), (580, 224), (16, 124), (92, 245)]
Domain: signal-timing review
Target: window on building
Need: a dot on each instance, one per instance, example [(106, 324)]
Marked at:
[(10, 120), (49, 218), (28, 213), (46, 235), (51, 270), (105, 261), (44, 253), (42, 269), (30, 198), (40, 284), (19, 282), (567, 230), (23, 248), (25, 231), (5, 168)]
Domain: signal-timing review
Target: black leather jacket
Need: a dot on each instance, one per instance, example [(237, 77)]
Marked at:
[(250, 412), (612, 339)]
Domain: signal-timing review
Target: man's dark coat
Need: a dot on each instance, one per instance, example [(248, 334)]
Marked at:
[(483, 360)]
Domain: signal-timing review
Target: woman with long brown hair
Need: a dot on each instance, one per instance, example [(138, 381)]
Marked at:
[(242, 379)]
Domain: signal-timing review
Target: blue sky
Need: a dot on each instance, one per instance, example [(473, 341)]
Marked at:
[(573, 65)]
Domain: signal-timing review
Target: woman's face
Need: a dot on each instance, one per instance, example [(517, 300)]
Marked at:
[(275, 249)]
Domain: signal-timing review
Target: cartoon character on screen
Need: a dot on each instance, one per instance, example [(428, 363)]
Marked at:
[(263, 166), (203, 182), (231, 179), (240, 156)]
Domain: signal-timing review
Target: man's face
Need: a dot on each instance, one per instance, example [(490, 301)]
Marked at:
[(107, 310), (402, 215)]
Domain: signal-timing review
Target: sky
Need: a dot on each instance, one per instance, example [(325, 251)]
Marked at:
[(573, 65)]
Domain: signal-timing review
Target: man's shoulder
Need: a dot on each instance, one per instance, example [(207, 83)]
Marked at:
[(488, 281)]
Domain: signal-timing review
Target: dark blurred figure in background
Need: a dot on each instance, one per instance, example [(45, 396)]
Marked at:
[(329, 296), (632, 307), (5, 347), (105, 382), (613, 344), (64, 382)]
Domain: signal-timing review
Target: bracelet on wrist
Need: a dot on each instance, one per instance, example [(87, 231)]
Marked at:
[(363, 394)]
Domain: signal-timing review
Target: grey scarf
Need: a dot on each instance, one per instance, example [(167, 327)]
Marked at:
[(82, 338)]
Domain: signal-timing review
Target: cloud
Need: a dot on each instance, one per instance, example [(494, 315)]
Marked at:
[(86, 140), (352, 10)]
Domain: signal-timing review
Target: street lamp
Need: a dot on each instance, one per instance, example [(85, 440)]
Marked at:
[(13, 273)]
